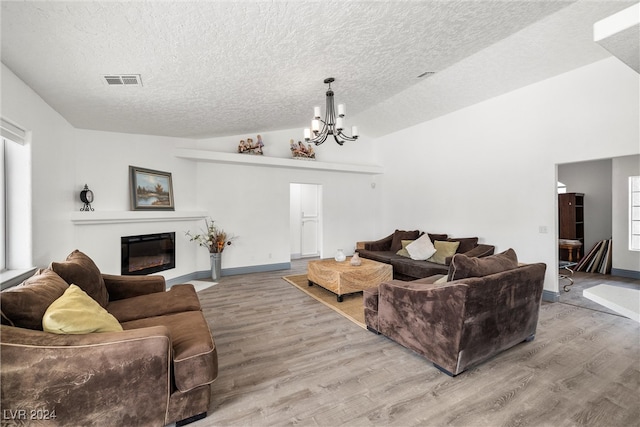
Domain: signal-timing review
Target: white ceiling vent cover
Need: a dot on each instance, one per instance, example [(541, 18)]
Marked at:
[(122, 79)]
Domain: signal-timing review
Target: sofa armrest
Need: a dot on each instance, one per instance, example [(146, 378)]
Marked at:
[(121, 287), (426, 318), (377, 245), (92, 379)]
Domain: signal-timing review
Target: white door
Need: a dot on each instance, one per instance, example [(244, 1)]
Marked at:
[(305, 220), (310, 219)]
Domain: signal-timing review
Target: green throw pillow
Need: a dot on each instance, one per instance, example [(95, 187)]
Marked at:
[(403, 252), (75, 312), (444, 250)]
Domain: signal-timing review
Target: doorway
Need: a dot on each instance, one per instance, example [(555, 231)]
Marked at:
[(305, 220)]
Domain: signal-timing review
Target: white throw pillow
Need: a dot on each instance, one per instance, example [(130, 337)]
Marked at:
[(422, 248)]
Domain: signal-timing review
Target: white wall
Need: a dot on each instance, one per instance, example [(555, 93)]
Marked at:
[(594, 180), (490, 170), (623, 258), (102, 162), (52, 171), (250, 202), (254, 202)]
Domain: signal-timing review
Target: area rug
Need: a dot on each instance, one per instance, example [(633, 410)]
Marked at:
[(351, 306)]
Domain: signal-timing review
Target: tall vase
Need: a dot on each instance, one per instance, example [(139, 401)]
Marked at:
[(216, 265)]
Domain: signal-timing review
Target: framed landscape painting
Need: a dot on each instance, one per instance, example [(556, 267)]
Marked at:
[(150, 190)]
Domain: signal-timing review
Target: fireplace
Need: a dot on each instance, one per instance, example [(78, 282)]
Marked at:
[(147, 253)]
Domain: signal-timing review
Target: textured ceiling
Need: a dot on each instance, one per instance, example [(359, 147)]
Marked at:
[(620, 35), (225, 68)]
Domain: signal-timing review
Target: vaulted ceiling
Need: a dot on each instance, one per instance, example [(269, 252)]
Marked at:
[(214, 68)]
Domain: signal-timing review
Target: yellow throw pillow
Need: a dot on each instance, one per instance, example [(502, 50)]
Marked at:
[(403, 251), (441, 280), (444, 250), (75, 312)]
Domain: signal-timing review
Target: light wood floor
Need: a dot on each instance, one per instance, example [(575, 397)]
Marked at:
[(286, 359)]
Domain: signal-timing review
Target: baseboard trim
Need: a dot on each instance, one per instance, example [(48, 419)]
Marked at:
[(206, 274), (550, 296), (631, 274), (256, 269)]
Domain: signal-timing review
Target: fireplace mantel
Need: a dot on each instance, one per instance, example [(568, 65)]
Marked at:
[(117, 217)]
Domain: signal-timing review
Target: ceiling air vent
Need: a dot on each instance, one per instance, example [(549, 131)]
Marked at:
[(123, 80)]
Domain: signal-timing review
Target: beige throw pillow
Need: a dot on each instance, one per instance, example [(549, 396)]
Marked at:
[(421, 249), (403, 252), (75, 312), (444, 250)]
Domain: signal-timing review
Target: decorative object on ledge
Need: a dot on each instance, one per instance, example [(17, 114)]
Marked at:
[(86, 196), (250, 147), (331, 125), (214, 239), (268, 161), (340, 256), (299, 151), (150, 190)]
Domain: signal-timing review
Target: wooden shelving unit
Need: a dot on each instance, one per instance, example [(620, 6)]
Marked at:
[(571, 218)]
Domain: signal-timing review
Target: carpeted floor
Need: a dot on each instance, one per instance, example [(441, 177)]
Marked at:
[(351, 306)]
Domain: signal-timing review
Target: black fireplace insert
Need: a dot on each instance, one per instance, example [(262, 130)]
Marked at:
[(148, 253)]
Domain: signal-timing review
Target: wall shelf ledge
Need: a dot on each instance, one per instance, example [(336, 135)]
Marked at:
[(119, 217), (243, 159)]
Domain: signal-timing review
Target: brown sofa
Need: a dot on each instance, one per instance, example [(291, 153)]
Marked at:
[(156, 371), (386, 250), (487, 306)]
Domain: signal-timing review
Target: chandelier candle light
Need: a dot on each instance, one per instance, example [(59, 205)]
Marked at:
[(331, 125)]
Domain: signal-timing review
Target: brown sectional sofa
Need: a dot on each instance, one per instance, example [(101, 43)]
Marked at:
[(156, 371), (385, 250), (487, 305)]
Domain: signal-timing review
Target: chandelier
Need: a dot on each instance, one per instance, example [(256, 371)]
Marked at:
[(331, 125)]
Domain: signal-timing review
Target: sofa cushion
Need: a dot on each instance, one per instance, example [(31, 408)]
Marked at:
[(399, 236), (403, 252), (80, 270), (466, 243), (177, 299), (24, 305), (380, 256), (194, 352), (75, 312), (434, 237), (463, 267), (409, 269), (421, 249), (444, 250)]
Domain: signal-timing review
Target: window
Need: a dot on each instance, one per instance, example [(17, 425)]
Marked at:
[(15, 204), (634, 213), (562, 188)]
